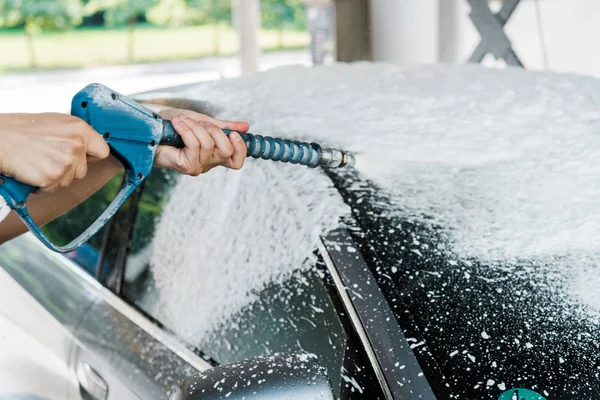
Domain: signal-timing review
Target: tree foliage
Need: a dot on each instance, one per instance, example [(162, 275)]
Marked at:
[(38, 15), (173, 12), (122, 12), (35, 15), (279, 14), (276, 14), (213, 12)]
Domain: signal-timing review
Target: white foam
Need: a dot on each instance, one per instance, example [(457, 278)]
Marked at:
[(227, 234), (507, 162)]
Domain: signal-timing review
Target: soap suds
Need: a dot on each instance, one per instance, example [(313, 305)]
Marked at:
[(229, 234), (505, 163)]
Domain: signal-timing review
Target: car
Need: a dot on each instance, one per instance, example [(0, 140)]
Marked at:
[(369, 300)]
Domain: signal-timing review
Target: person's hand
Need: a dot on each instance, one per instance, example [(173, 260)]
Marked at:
[(206, 145), (48, 150)]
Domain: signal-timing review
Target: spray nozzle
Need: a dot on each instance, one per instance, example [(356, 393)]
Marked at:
[(336, 158)]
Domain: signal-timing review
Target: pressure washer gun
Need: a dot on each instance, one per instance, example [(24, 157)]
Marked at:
[(133, 133)]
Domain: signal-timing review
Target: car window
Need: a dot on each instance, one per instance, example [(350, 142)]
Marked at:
[(294, 314)]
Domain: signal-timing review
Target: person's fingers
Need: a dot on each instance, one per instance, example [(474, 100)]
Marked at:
[(239, 151), (237, 126), (207, 144), (67, 178), (49, 189), (57, 166), (80, 167), (70, 156), (61, 164), (92, 159), (211, 146), (67, 161), (174, 112), (223, 146), (95, 142), (185, 161), (97, 147), (170, 113)]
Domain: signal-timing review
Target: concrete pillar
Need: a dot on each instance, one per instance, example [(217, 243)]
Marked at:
[(449, 34), (404, 31), (352, 36), (247, 21)]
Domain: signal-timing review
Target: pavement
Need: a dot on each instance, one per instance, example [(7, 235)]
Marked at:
[(52, 91)]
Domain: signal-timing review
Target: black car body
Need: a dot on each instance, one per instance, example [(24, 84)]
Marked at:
[(387, 311)]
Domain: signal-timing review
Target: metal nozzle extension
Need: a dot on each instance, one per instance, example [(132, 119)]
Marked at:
[(336, 158)]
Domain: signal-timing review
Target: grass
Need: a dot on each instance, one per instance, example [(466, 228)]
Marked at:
[(86, 47)]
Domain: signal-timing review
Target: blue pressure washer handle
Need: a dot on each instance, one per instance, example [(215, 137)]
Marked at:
[(15, 194), (133, 133)]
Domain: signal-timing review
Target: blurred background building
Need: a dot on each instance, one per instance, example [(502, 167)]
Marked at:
[(52, 48), (555, 35)]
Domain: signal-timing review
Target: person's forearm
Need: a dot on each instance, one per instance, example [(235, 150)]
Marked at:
[(45, 207)]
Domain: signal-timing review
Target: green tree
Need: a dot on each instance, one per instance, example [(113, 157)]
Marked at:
[(214, 12), (121, 13), (38, 15), (174, 12), (277, 14)]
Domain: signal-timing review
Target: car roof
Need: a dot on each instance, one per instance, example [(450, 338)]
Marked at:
[(484, 209)]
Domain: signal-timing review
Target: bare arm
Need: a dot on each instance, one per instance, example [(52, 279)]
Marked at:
[(69, 161), (47, 206)]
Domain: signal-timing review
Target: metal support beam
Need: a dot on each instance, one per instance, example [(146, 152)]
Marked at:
[(491, 29)]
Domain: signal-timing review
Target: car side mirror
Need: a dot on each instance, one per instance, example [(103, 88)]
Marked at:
[(296, 376)]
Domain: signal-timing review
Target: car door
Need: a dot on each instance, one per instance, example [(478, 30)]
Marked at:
[(118, 352), (102, 348), (42, 301), (44, 297), (122, 355)]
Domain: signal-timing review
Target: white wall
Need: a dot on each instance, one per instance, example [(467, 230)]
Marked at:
[(404, 31), (571, 33)]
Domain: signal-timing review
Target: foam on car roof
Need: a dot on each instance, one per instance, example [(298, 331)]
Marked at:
[(504, 162)]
